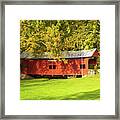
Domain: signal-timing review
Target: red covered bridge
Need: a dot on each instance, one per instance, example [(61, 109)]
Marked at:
[(77, 63)]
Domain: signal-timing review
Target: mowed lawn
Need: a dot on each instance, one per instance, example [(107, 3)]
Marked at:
[(86, 88)]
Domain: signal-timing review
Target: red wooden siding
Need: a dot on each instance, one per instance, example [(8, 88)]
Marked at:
[(43, 67), (96, 54)]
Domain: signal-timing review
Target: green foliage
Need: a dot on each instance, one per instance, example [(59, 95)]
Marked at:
[(91, 66), (54, 36), (87, 88)]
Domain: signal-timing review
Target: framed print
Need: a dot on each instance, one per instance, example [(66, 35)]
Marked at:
[(60, 59)]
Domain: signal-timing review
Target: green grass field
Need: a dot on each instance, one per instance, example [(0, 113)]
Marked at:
[(86, 88)]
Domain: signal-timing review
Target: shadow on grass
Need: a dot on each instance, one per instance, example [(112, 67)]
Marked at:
[(35, 83), (91, 95), (35, 80)]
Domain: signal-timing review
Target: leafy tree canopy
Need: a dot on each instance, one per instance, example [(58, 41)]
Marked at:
[(54, 36)]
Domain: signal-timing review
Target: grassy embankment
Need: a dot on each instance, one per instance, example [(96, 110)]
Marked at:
[(86, 88)]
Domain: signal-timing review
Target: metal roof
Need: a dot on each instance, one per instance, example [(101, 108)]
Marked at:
[(64, 54)]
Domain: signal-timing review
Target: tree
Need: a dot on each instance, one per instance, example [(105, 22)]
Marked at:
[(55, 36)]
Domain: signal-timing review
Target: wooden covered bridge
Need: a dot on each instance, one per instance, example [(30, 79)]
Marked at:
[(76, 63)]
